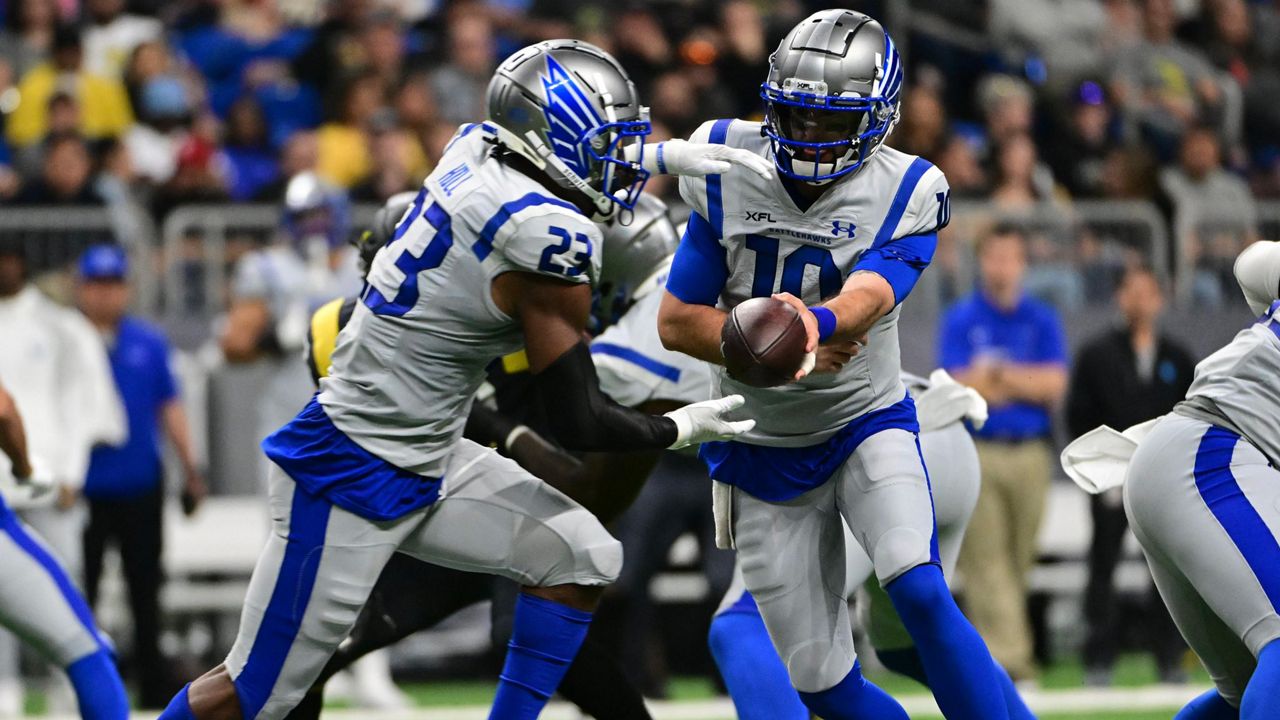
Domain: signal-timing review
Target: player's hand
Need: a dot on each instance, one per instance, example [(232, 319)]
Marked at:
[(36, 479), (833, 356), (705, 421), (681, 157), (947, 401), (806, 315)]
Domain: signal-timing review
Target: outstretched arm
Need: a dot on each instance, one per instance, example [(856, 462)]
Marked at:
[(553, 316), (691, 328), (688, 320)]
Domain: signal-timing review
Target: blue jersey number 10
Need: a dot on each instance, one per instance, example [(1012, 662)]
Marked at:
[(793, 267)]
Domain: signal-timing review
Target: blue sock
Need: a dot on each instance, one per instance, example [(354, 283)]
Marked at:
[(545, 636), (1018, 709), (1262, 695), (957, 663), (906, 661), (752, 671), (1209, 706), (99, 691), (853, 698)]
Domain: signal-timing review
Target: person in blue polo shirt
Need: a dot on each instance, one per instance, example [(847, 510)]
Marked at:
[(1011, 348), (124, 486)]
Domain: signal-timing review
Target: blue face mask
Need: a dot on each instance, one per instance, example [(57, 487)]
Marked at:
[(857, 126)]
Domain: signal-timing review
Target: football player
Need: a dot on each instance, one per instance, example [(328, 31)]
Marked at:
[(1203, 498), (842, 233), (39, 602), (753, 672), (497, 252), (411, 595)]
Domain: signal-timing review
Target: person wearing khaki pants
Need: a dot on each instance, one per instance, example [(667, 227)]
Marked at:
[(1010, 348), (1000, 547)]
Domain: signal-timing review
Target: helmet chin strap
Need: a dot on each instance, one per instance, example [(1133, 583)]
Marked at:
[(542, 157)]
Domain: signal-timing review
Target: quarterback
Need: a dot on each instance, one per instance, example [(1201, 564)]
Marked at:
[(752, 671), (845, 226), (498, 251)]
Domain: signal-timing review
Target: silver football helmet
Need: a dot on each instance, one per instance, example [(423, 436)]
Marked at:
[(314, 210), (832, 95), (569, 108), (635, 256)]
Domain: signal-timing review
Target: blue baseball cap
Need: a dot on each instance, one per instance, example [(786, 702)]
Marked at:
[(104, 262)]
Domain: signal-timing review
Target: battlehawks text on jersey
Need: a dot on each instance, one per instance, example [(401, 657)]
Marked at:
[(411, 358), (884, 219), (770, 245)]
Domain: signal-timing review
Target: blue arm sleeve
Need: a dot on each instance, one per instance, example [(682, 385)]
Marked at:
[(699, 270), (900, 261)]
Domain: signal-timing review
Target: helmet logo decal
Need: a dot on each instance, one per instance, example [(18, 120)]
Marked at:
[(889, 74), (569, 116)]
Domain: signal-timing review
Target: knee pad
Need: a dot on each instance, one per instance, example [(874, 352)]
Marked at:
[(597, 557), (336, 611), (602, 559), (572, 549), (899, 550), (820, 664)]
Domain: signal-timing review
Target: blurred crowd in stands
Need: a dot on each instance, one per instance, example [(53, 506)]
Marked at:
[(1018, 100)]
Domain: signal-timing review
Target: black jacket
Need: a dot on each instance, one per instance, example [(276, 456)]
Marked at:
[(1105, 387)]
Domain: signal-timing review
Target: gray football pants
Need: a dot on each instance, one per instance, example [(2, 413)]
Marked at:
[(1205, 507), (793, 554), (39, 602), (954, 479), (321, 562)]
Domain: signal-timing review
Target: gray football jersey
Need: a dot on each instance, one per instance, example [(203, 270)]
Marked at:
[(1237, 386), (771, 246), (634, 367), (411, 358)]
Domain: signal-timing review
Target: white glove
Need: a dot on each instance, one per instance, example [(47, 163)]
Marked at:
[(681, 157), (1257, 270), (36, 487), (947, 401), (704, 421), (1098, 460)]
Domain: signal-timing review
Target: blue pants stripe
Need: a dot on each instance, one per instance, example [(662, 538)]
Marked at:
[(308, 522), (1228, 503), (935, 555), (14, 528)]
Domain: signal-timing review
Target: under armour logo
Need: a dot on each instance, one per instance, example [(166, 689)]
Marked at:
[(843, 227), (758, 216)]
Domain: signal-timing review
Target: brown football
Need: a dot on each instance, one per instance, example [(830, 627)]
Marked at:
[(763, 342)]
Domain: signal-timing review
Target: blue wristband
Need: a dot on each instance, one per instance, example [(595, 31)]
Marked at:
[(662, 166), (826, 321)]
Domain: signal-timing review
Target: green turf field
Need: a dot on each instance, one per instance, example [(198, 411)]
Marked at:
[(1131, 672)]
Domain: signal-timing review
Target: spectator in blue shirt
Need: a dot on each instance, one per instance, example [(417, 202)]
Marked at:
[(125, 484), (1012, 349)]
